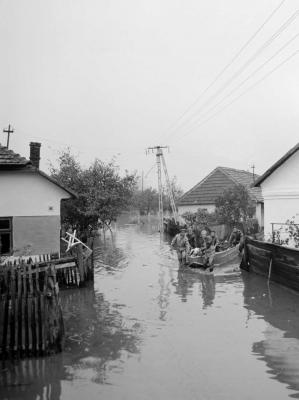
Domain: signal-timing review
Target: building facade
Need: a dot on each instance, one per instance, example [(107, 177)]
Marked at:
[(280, 189), (204, 194), (29, 205)]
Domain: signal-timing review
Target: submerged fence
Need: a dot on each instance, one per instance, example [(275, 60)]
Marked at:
[(31, 322)]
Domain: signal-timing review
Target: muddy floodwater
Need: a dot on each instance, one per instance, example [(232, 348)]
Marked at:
[(145, 330)]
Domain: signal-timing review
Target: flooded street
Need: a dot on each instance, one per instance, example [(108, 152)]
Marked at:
[(146, 330)]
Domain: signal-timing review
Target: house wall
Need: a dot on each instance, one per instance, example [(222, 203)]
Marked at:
[(259, 214), (36, 235), (28, 194), (34, 204), (194, 207), (281, 193)]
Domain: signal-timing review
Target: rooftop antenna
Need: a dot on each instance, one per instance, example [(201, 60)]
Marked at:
[(8, 130)]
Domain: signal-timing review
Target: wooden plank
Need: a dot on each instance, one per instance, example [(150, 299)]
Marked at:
[(25, 315), (5, 325), (36, 319), (12, 310), (80, 264), (2, 313), (20, 314), (29, 308)]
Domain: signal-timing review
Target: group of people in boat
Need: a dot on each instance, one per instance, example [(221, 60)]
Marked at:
[(204, 244)]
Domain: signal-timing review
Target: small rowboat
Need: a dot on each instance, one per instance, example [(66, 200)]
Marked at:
[(221, 258)]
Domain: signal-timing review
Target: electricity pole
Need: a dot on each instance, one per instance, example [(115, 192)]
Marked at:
[(159, 158)]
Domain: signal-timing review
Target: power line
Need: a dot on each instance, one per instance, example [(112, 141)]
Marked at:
[(268, 42), (149, 171), (244, 92), (248, 77), (218, 76)]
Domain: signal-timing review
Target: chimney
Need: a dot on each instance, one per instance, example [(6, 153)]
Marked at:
[(35, 153)]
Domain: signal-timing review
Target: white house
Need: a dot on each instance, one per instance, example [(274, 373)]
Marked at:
[(280, 188), (29, 205), (204, 194)]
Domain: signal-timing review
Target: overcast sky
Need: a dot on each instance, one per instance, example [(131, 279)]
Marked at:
[(112, 77)]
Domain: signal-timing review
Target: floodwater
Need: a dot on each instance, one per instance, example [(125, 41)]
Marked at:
[(145, 330)]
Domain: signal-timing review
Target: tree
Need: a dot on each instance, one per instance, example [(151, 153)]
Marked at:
[(102, 193), (176, 191), (234, 206), (200, 219), (147, 201)]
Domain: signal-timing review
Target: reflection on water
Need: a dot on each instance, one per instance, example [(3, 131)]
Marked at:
[(146, 329), (205, 283), (280, 347)]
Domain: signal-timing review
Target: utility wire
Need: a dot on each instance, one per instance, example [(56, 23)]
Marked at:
[(149, 171), (244, 92), (235, 57), (268, 42), (248, 77)]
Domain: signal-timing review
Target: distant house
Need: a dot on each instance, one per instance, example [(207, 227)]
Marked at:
[(280, 189), (204, 194), (29, 205)]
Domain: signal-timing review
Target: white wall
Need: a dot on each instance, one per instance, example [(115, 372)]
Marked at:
[(281, 193), (193, 208), (259, 214), (28, 194)]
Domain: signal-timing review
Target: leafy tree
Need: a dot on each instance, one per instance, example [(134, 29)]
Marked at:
[(146, 201), (234, 206), (102, 193), (199, 219)]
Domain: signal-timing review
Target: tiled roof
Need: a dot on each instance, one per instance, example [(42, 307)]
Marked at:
[(221, 178), (8, 158)]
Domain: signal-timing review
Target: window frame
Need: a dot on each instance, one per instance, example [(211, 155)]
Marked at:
[(9, 231)]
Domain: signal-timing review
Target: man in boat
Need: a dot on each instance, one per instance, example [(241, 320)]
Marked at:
[(191, 236), (235, 237), (181, 244), (209, 251), (200, 242), (215, 241)]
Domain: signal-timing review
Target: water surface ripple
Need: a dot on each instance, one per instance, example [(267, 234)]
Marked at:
[(146, 330)]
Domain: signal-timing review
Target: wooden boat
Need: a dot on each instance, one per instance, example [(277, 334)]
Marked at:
[(277, 263), (229, 256)]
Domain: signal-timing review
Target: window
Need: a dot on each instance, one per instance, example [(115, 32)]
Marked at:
[(5, 235)]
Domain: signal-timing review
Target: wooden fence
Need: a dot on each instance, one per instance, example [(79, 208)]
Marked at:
[(31, 322)]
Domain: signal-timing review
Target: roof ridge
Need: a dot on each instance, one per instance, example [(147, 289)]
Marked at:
[(236, 169), (230, 177), (276, 165)]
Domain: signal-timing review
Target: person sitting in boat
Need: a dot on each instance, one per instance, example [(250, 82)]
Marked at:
[(235, 237), (215, 241), (209, 251), (201, 240), (206, 248), (191, 236), (181, 244)]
